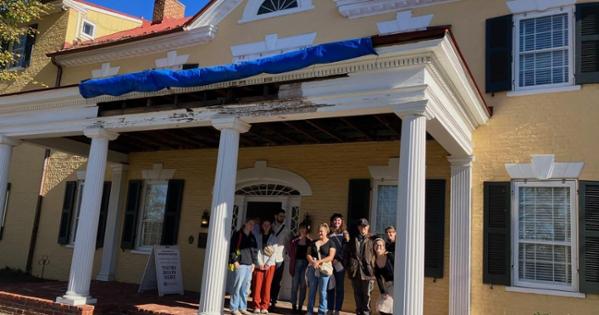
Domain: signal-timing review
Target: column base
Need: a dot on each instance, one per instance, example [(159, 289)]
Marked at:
[(209, 313), (75, 300), (105, 277)]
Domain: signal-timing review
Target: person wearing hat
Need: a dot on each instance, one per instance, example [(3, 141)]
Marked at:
[(360, 261)]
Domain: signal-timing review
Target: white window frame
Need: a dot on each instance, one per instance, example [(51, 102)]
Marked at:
[(76, 212), (5, 207), (374, 201), (573, 185), (516, 48), (250, 13), (85, 35), (142, 208)]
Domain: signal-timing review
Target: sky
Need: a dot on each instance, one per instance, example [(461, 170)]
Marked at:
[(144, 7)]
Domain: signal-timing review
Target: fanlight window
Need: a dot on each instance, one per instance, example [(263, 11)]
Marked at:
[(267, 190), (269, 6)]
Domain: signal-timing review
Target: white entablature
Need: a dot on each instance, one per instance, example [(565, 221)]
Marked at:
[(361, 8)]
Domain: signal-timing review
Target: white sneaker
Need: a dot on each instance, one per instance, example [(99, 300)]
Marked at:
[(236, 313), (264, 312)]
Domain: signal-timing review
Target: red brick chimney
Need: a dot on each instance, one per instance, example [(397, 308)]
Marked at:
[(167, 9)]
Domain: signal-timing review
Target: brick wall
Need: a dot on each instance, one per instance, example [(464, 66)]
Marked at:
[(19, 304)]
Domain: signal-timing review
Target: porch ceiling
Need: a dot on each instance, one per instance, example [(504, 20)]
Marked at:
[(382, 127)]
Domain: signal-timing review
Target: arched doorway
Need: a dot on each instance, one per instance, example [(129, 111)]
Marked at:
[(261, 191)]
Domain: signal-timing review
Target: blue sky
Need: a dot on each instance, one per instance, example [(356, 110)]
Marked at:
[(144, 7)]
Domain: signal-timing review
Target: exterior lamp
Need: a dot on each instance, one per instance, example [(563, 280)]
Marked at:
[(205, 219)]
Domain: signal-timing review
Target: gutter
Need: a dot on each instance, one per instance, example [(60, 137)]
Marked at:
[(58, 80), (38, 214)]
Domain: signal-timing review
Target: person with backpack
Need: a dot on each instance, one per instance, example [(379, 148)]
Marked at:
[(243, 257)]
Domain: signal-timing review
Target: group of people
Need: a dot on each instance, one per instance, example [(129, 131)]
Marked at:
[(318, 266)]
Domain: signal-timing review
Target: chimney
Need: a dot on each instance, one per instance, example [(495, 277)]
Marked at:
[(167, 9)]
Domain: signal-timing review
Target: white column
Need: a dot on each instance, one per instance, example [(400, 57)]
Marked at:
[(87, 228), (409, 266), (459, 240), (117, 191), (219, 231), (6, 146)]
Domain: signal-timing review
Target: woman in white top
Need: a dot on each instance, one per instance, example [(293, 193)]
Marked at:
[(265, 270)]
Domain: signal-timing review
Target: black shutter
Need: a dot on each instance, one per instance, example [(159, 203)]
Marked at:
[(103, 215), (589, 237), (172, 212), (131, 213), (498, 59), (68, 207), (29, 45), (497, 233), (587, 43), (358, 202), (3, 220), (434, 240)]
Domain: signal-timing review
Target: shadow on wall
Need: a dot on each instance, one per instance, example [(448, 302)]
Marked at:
[(60, 167)]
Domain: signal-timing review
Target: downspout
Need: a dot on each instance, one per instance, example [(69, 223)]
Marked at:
[(58, 73), (38, 213)]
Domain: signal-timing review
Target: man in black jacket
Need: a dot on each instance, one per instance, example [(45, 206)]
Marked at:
[(360, 261)]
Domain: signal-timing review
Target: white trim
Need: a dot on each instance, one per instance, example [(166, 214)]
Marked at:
[(522, 6), (171, 61), (404, 22), (141, 251), (157, 173), (163, 43), (271, 45), (84, 34), (546, 292), (387, 172), (250, 13), (543, 166), (106, 70), (569, 10), (262, 174), (572, 185), (82, 7), (215, 13), (360, 8), (545, 90)]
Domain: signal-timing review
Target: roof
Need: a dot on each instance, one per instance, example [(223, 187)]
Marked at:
[(147, 29)]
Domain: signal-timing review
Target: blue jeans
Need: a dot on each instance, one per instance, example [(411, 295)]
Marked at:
[(299, 283), (242, 278), (335, 295), (317, 283)]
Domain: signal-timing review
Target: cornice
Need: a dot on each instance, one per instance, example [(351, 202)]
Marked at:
[(148, 46), (42, 100), (360, 8), (215, 13)]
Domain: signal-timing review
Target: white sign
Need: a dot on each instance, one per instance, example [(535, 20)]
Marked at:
[(163, 271)]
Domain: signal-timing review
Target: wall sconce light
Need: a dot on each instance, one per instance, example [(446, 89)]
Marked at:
[(205, 219)]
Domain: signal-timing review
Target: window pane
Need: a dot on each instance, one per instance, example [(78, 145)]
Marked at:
[(386, 207), (543, 50), (269, 6), (544, 235), (153, 215)]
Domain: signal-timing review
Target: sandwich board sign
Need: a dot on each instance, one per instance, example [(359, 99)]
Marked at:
[(163, 271)]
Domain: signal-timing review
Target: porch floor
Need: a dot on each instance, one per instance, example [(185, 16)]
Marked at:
[(120, 298)]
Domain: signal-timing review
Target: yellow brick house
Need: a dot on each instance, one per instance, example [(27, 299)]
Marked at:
[(469, 124)]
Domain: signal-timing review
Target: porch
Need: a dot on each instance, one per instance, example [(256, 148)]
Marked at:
[(414, 90)]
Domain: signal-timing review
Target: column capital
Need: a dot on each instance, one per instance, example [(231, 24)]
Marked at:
[(418, 108), (231, 123), (100, 133), (8, 140), (461, 161)]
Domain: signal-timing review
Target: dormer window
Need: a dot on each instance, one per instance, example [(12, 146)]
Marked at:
[(264, 9), (269, 6), (88, 30)]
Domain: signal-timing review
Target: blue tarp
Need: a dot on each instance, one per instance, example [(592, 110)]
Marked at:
[(156, 80)]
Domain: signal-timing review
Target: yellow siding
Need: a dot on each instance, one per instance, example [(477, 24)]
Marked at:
[(106, 24)]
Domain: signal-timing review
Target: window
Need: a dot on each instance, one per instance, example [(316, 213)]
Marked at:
[(264, 9), (76, 212), (88, 29), (384, 207), (545, 246), (19, 51), (543, 55), (269, 6), (152, 213)]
